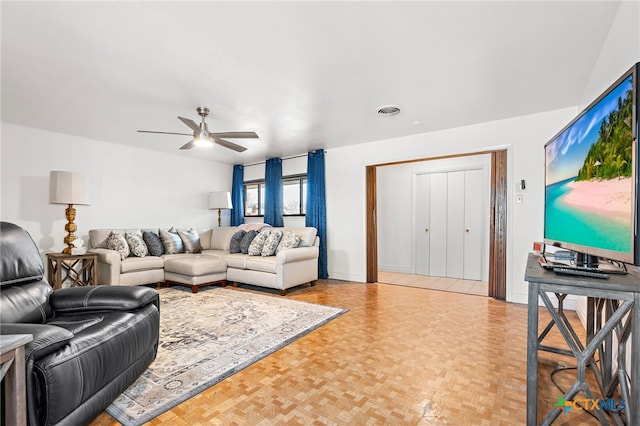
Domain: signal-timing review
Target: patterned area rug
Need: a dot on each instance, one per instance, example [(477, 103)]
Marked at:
[(207, 337)]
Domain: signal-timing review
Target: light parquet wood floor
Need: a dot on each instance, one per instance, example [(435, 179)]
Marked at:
[(400, 356), (480, 288)]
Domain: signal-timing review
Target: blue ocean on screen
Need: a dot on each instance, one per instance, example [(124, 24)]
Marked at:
[(571, 224)]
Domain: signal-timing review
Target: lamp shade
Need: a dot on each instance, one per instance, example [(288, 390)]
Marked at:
[(220, 200), (67, 188)]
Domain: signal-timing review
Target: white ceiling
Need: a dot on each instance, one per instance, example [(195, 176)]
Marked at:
[(303, 75)]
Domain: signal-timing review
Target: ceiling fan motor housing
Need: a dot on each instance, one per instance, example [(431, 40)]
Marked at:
[(202, 111)]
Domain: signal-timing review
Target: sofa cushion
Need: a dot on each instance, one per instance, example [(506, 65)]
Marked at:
[(136, 244), (153, 243), (289, 240), (98, 237), (255, 249), (236, 260), (131, 264), (262, 264), (247, 240), (221, 237), (195, 265), (205, 239), (271, 244), (171, 242), (234, 245), (307, 235), (190, 240), (117, 242)]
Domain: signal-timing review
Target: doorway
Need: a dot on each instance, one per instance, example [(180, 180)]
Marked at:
[(496, 226)]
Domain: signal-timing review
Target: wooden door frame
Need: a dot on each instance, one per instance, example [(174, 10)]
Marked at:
[(497, 219)]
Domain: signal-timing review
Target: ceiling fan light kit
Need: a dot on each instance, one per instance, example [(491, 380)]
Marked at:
[(203, 137)]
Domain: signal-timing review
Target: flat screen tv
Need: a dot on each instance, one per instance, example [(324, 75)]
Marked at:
[(591, 178)]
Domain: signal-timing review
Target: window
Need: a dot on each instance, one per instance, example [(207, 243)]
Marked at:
[(254, 198), (294, 193)]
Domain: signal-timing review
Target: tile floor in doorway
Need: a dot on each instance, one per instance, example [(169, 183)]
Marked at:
[(479, 288)]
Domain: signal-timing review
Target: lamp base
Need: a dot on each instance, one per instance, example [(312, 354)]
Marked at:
[(70, 227), (219, 218)]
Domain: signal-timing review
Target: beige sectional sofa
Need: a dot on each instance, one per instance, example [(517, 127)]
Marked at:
[(288, 268)]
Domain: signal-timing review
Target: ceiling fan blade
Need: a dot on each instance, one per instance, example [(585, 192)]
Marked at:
[(165, 133), (188, 145), (190, 123), (229, 145), (239, 135)]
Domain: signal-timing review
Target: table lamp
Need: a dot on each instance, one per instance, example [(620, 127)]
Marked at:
[(220, 200), (68, 188)]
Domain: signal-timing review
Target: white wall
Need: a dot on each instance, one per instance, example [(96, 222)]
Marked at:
[(620, 51), (396, 215), (128, 187), (524, 139)]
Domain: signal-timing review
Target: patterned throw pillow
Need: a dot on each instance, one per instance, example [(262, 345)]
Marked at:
[(136, 244), (289, 240), (234, 244), (171, 242), (117, 242), (255, 249), (271, 244), (191, 240), (247, 240), (153, 243)]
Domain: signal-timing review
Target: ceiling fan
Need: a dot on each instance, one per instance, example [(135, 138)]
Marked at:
[(202, 135)]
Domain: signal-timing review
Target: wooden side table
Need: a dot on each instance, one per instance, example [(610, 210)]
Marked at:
[(613, 316), (12, 373), (78, 269)]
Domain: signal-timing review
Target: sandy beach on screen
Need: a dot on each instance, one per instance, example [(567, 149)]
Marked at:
[(607, 197)]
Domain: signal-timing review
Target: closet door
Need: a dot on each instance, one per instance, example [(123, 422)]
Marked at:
[(438, 225), (449, 224), (422, 200), (455, 224), (473, 219)]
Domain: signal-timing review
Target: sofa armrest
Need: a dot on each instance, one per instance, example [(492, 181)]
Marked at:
[(109, 266), (297, 254), (46, 338), (110, 257), (102, 298)]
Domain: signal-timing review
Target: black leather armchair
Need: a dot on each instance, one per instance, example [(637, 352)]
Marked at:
[(89, 343)]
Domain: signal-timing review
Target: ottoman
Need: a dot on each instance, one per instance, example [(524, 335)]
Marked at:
[(195, 271)]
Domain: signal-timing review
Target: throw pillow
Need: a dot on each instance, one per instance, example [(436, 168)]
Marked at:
[(191, 240), (153, 243), (234, 244), (136, 244), (255, 249), (247, 240), (271, 244), (171, 242), (117, 242), (289, 240)]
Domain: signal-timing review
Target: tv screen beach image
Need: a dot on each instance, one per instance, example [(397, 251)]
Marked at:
[(589, 169)]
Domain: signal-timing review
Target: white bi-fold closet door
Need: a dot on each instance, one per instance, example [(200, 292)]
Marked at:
[(449, 224)]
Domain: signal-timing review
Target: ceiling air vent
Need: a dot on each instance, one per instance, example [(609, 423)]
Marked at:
[(388, 110)]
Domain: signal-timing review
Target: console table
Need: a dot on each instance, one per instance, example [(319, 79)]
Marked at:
[(12, 371), (78, 269), (613, 312)]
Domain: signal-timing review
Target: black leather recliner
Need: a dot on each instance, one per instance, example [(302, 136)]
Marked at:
[(89, 343)]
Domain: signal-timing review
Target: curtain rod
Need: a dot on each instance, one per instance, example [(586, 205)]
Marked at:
[(283, 158)]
